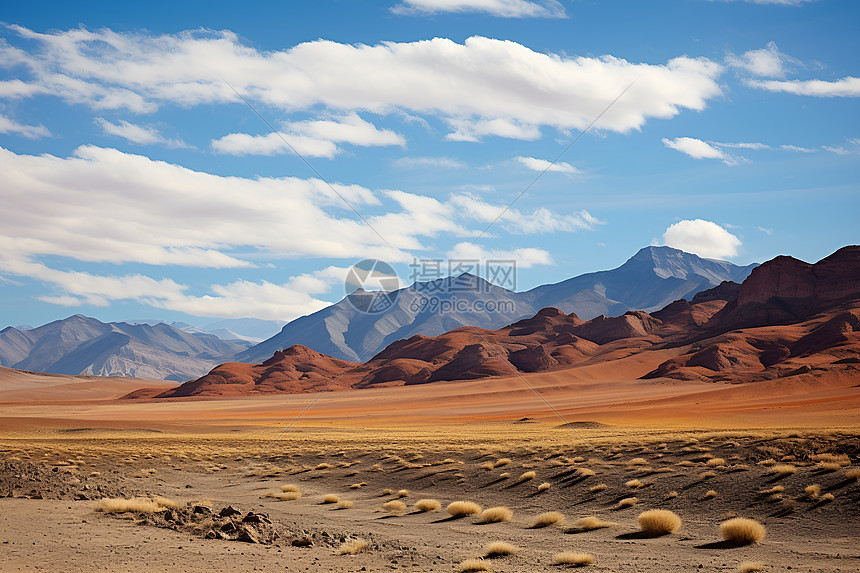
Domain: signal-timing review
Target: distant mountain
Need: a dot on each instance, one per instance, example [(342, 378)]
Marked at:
[(248, 329), (82, 345), (651, 279), (788, 318)]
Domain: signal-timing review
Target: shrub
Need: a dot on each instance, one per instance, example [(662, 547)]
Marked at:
[(463, 508), (812, 491), (403, 493), (394, 506), (546, 519), (425, 505), (750, 567), (783, 469), (628, 502), (474, 565), (120, 505), (496, 515), (500, 549), (526, 476), (659, 522), (345, 504), (290, 487), (571, 558), (544, 486), (598, 487), (352, 547), (330, 498), (742, 531), (591, 523)]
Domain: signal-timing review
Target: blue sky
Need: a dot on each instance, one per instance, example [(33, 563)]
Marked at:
[(136, 183)]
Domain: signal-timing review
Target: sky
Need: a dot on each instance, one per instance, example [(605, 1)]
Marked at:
[(192, 161)]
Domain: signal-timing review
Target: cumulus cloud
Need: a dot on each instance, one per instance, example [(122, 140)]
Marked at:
[(525, 257), (703, 238), (542, 165), (312, 138), (139, 134), (846, 87), (482, 87), (500, 8), (8, 125), (696, 148), (766, 62)]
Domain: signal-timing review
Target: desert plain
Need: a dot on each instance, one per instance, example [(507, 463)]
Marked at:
[(364, 480)]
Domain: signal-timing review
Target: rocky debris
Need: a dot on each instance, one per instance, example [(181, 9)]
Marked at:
[(29, 480), (228, 523)]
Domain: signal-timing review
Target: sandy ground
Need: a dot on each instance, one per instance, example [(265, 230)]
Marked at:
[(435, 441)]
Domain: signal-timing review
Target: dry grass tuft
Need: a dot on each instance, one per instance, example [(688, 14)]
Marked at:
[(659, 522), (628, 502), (487, 466), (425, 505), (546, 519), (504, 475), (638, 462), (331, 498), (635, 483), (286, 495), (544, 486), (474, 565), (290, 487), (500, 549), (164, 502), (840, 459), (394, 506), (120, 505), (812, 491), (750, 567), (496, 515), (585, 472), (324, 466), (672, 495), (352, 547), (403, 493), (783, 469), (358, 485), (853, 474), (573, 558), (598, 487), (827, 497), (345, 504), (715, 462), (526, 476), (742, 531), (591, 523), (773, 490), (710, 494), (502, 462), (463, 508), (707, 475)]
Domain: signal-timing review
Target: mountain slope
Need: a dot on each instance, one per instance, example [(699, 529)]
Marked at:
[(730, 333), (83, 345), (651, 279)]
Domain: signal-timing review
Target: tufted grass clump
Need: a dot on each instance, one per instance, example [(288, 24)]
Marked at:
[(543, 487), (635, 483), (659, 522), (750, 567), (394, 506), (598, 487), (526, 476), (572, 558), (133, 505), (463, 508), (812, 491), (470, 565), (546, 519), (783, 469), (353, 547), (628, 502), (290, 488), (425, 505), (710, 494), (590, 523), (496, 515), (500, 549), (742, 531)]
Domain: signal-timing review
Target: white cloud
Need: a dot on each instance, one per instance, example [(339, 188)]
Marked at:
[(797, 149), (525, 258), (742, 145), (139, 134), (697, 149), (766, 62), (774, 2), (435, 162), (846, 87), (764, 230), (542, 165), (480, 87), (703, 238), (313, 138), (500, 8), (541, 220), (29, 131)]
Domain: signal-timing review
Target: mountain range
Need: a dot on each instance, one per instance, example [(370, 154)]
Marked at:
[(788, 318), (83, 345), (651, 279)]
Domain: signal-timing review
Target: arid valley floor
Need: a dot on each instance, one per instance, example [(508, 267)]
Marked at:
[(706, 451)]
